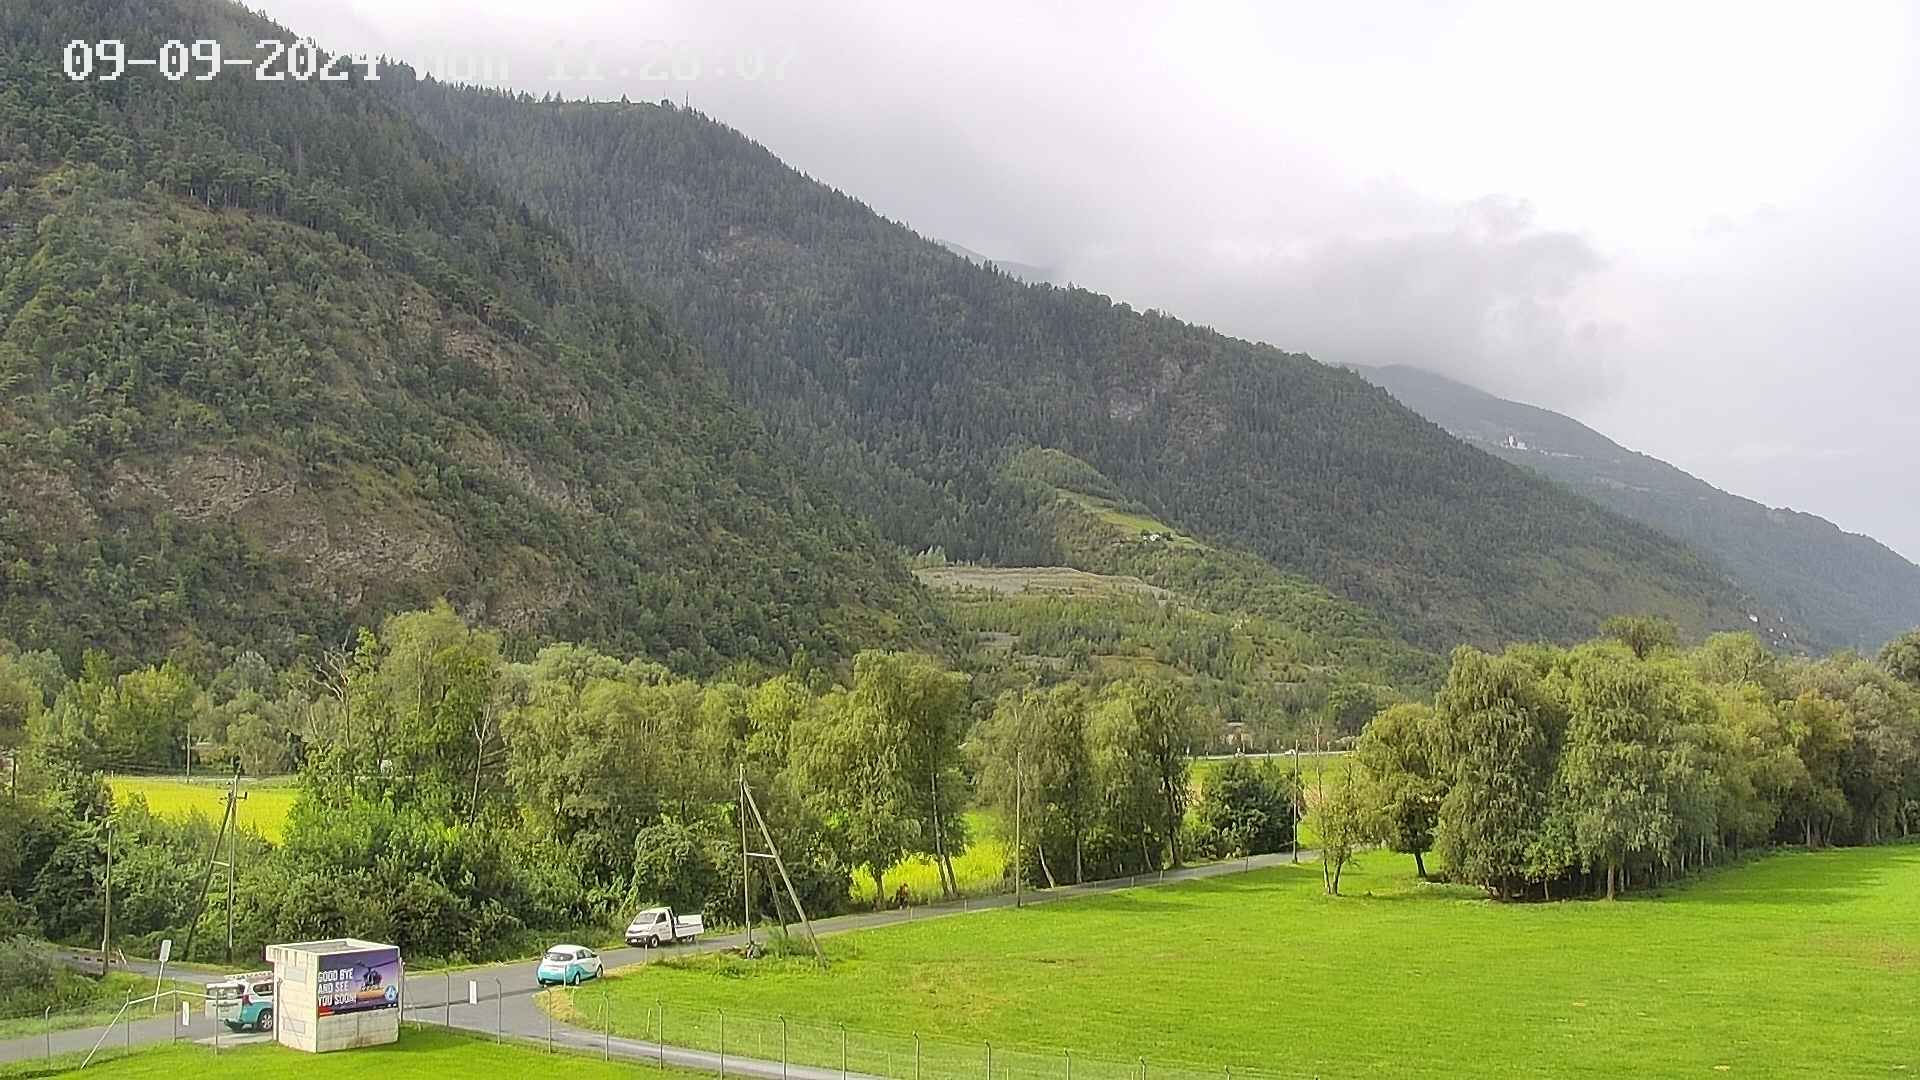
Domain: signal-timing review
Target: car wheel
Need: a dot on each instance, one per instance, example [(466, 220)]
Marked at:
[(653, 941), (265, 1023)]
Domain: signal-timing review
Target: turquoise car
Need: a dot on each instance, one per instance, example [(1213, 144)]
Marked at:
[(243, 1002), (568, 965)]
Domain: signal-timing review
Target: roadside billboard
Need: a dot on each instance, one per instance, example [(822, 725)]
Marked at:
[(351, 982)]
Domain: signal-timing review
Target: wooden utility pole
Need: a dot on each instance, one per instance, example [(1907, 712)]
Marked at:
[(233, 855), (1299, 789), (793, 894), (106, 925), (206, 878), (746, 871), (1019, 839)]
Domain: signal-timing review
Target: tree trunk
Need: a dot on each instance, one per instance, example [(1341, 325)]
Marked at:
[(1546, 889), (1173, 828), (1040, 849), (1419, 865), (1079, 856), (1613, 870), (879, 887), (947, 884)]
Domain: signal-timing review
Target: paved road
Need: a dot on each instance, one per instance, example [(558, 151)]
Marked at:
[(506, 1006), (150, 1028)]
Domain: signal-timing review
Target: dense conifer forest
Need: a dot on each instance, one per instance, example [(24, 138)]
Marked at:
[(907, 374), (277, 364)]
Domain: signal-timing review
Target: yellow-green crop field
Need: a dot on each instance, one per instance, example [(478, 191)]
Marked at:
[(264, 810)]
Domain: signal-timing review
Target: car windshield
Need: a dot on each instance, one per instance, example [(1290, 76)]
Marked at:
[(559, 956), (224, 992)]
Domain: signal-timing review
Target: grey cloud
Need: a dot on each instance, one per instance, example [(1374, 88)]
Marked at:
[(1319, 179)]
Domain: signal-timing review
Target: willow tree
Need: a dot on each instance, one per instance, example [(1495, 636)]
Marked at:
[(1398, 754), (1496, 735), (1035, 764), (1612, 769)]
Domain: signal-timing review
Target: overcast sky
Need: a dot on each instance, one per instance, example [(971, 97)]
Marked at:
[(1692, 226)]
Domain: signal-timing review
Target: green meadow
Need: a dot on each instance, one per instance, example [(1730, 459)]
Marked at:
[(1797, 964)]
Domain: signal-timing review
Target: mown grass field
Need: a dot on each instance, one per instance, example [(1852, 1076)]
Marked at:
[(264, 809), (421, 1054), (1793, 965)]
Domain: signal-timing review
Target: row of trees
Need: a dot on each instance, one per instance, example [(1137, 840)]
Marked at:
[(1630, 759), (450, 798)]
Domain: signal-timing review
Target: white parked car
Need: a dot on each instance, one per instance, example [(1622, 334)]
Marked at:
[(659, 926), (568, 965)]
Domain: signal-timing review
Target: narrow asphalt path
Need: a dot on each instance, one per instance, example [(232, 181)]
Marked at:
[(505, 992)]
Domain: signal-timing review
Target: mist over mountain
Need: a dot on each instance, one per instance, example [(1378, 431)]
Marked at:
[(1848, 590)]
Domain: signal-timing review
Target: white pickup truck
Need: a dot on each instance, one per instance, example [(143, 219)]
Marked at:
[(659, 926)]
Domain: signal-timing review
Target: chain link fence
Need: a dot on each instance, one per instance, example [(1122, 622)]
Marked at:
[(99, 1032), (727, 1043), (752, 1042)]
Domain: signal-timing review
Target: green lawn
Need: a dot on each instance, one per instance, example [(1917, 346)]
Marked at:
[(264, 809), (1793, 965), (421, 1054)]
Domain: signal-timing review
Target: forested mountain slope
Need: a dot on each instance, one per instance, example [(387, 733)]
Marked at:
[(1845, 589), (909, 373), (276, 363)]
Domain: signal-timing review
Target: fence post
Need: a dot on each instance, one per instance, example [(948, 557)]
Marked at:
[(662, 1042), (549, 1033), (449, 999), (1069, 1055), (783, 1048), (1143, 1069), (723, 1044), (916, 1056), (49, 1019), (606, 1024), (843, 1052), (989, 1061), (499, 1012)]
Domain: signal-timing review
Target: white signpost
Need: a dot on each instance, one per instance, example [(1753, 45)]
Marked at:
[(473, 992), (166, 953)]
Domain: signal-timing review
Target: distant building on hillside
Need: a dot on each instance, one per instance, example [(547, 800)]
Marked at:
[(1515, 442)]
